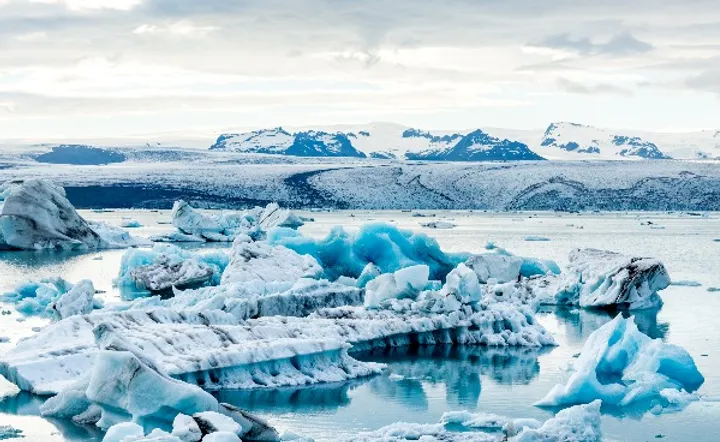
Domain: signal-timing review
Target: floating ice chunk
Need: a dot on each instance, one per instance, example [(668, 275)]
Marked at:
[(124, 432), (370, 272), (176, 237), (252, 428), (620, 365), (166, 266), (36, 214), (8, 432), (221, 436), (686, 283), (598, 278), (116, 236), (404, 283), (261, 263), (501, 268), (211, 422), (438, 225), (80, 300), (273, 216), (192, 222), (536, 238), (123, 386), (577, 424), (347, 254), (53, 298), (130, 223), (713, 289), (186, 428), (7, 389)]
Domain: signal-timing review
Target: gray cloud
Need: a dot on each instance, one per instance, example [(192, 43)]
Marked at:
[(621, 44), (575, 87)]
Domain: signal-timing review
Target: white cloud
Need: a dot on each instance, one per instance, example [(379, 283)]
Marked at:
[(181, 27), (78, 5)]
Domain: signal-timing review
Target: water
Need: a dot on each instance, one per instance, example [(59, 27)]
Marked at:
[(422, 383)]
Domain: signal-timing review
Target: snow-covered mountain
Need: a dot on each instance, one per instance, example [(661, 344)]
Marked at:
[(565, 140), (560, 141), (381, 140)]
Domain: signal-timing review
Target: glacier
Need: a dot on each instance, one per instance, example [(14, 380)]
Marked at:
[(36, 214), (622, 366)]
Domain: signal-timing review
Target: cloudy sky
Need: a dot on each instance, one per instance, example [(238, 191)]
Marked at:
[(87, 68)]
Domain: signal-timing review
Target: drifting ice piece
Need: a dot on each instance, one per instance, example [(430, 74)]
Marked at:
[(347, 254), (577, 424), (80, 300), (258, 263), (53, 297), (620, 365), (502, 268), (167, 266), (37, 215), (405, 283), (227, 226), (599, 278)]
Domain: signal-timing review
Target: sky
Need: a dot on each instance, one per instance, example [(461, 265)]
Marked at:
[(104, 68)]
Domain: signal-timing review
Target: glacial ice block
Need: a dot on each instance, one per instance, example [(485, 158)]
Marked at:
[(226, 226), (214, 349), (343, 253), (53, 298), (259, 263), (620, 365), (404, 283), (165, 266), (577, 424), (599, 278), (36, 214)]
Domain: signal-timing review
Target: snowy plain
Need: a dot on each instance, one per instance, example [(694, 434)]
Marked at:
[(421, 385)]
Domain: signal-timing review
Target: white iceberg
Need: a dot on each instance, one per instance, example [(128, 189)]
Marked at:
[(620, 365), (262, 263), (599, 278), (37, 215), (501, 268), (577, 424), (404, 283), (79, 300), (225, 227)]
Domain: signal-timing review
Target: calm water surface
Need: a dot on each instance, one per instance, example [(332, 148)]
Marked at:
[(422, 383)]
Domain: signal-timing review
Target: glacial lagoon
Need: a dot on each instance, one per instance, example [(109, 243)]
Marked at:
[(423, 383)]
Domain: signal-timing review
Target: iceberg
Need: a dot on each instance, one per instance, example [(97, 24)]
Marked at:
[(227, 226), (130, 223), (404, 283), (438, 225), (385, 246), (501, 268), (36, 214), (577, 424), (261, 263), (53, 298), (620, 366), (599, 278), (166, 266)]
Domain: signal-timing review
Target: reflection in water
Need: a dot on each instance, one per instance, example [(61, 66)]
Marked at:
[(410, 371), (580, 323), (310, 399), (26, 404)]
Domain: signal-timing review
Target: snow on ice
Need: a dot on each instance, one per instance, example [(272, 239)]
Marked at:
[(620, 366)]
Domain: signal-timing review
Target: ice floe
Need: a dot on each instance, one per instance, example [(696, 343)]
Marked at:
[(438, 225), (37, 215), (130, 223), (577, 424), (620, 365)]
